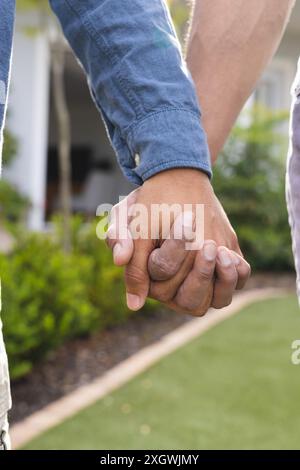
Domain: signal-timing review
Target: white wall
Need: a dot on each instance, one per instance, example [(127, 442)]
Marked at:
[(28, 117)]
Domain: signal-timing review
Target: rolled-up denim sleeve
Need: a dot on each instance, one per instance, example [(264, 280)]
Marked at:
[(139, 81)]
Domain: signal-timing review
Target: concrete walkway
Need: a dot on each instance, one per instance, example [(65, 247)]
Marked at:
[(84, 396)]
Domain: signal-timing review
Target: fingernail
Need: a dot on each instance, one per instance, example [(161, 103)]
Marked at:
[(210, 251), (134, 302), (117, 250), (224, 258)]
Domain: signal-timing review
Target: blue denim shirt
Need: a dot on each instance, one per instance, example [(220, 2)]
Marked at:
[(7, 9), (138, 79)]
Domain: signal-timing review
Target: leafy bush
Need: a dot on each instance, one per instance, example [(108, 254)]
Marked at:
[(250, 181), (9, 149), (106, 284), (13, 205), (49, 296), (44, 300)]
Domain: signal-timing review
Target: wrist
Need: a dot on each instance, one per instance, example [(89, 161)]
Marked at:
[(179, 178)]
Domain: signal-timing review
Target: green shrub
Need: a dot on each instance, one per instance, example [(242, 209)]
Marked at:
[(44, 300), (106, 282), (49, 296), (10, 148), (13, 205)]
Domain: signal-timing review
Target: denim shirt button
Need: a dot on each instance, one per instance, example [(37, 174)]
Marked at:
[(137, 159)]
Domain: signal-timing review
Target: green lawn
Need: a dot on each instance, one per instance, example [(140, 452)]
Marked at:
[(233, 388)]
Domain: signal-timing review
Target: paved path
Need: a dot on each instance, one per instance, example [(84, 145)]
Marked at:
[(58, 411)]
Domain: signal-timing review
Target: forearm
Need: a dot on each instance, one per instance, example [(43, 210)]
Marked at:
[(230, 43)]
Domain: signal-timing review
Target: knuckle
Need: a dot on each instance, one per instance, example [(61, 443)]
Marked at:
[(205, 273), (162, 266), (135, 276)]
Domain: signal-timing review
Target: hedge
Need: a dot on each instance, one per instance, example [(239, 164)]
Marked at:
[(49, 296)]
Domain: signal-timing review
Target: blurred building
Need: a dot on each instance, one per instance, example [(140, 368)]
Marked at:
[(96, 175)]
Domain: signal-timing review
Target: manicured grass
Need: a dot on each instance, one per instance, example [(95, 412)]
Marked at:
[(233, 388)]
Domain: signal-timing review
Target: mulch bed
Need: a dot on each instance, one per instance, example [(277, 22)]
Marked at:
[(82, 360)]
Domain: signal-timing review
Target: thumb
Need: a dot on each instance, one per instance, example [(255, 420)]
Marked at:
[(122, 248), (137, 279), (118, 236)]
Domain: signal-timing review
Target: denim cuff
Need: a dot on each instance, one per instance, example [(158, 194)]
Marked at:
[(169, 138)]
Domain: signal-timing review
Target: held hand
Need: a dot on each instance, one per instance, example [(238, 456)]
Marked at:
[(185, 280)]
